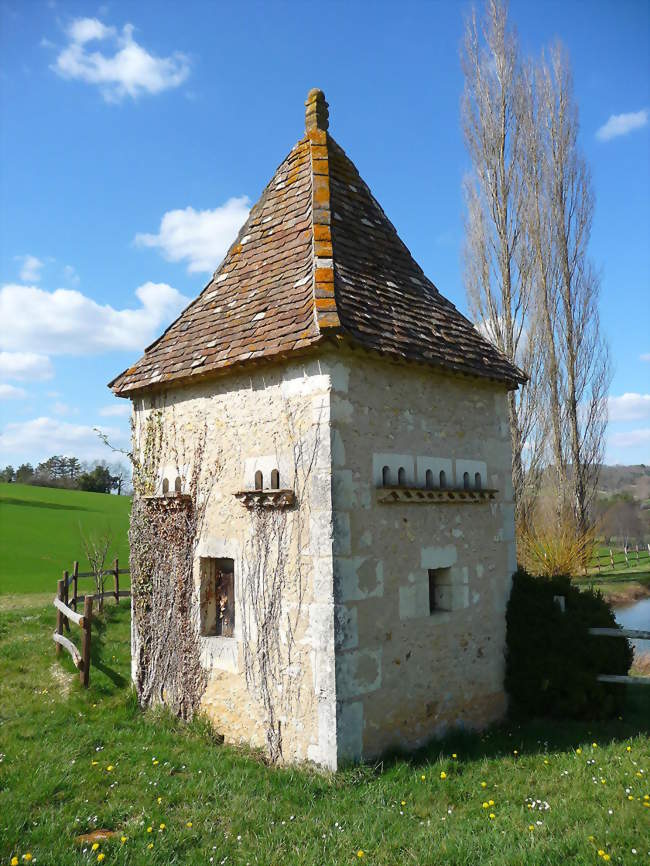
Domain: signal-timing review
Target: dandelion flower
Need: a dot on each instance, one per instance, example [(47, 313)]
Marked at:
[(486, 805), (150, 846), (491, 802), (403, 802), (14, 861), (600, 852), (628, 748), (454, 755), (95, 846), (531, 826), (606, 857), (122, 839), (492, 816), (578, 751), (94, 763), (594, 745), (155, 762), (110, 768), (360, 853), (163, 826), (423, 777), (189, 824), (443, 775), (100, 857), (545, 761), (149, 829), (159, 800), (483, 784)]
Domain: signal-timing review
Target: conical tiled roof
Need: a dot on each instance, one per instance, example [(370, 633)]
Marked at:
[(316, 257)]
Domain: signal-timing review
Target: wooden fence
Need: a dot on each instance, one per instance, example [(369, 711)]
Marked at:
[(634, 634), (66, 612), (628, 556)]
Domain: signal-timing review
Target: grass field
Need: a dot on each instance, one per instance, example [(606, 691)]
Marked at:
[(40, 533), (76, 761)]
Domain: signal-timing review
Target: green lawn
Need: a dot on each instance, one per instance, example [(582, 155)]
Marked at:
[(40, 533), (75, 761)]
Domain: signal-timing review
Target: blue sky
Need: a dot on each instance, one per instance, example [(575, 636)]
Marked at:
[(133, 137)]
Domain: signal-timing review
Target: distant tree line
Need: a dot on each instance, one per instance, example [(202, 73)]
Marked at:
[(71, 473)]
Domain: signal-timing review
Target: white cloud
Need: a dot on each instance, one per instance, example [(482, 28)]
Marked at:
[(66, 322), (40, 437), (30, 270), (117, 410), (622, 124), (71, 275), (629, 407), (201, 237), (25, 366), (630, 438), (10, 392), (126, 69)]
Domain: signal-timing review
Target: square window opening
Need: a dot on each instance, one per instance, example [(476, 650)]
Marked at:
[(217, 597), (440, 590)]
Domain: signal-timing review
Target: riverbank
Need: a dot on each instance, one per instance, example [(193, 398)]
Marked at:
[(619, 591)]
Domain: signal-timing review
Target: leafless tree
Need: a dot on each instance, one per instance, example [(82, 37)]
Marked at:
[(96, 547), (497, 263), (574, 343)]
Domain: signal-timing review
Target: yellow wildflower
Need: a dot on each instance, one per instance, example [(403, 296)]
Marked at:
[(531, 826), (95, 846), (545, 761), (156, 762), (100, 857), (109, 768), (628, 748), (14, 861), (486, 805), (423, 777), (150, 846), (606, 857), (27, 857), (163, 826), (159, 800), (360, 853), (403, 802), (149, 829), (600, 852), (515, 752), (189, 824), (454, 755), (492, 816), (491, 802), (630, 797), (578, 751), (594, 745), (122, 839), (483, 784), (94, 763), (443, 775)]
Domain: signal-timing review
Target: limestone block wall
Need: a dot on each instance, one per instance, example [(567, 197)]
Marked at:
[(403, 673), (274, 418)]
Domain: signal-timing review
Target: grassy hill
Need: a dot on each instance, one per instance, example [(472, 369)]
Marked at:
[(40, 533)]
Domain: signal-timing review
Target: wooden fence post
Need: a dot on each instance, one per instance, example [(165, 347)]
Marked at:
[(75, 573), (66, 621), (84, 673), (117, 581), (611, 557), (59, 614)]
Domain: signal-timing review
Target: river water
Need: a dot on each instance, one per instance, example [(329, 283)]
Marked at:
[(637, 616)]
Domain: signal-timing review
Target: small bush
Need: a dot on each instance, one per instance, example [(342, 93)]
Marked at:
[(551, 660)]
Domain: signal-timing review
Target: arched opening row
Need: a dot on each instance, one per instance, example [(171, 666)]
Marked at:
[(275, 480), (178, 485), (387, 478)]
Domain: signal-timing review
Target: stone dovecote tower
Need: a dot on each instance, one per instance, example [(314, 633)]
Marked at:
[(364, 494)]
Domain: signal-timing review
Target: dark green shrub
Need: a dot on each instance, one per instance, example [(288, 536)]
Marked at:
[(551, 660)]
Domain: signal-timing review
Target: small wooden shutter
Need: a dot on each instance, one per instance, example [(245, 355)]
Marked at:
[(225, 596)]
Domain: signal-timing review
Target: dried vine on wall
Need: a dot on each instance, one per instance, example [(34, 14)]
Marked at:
[(163, 535), (273, 588)]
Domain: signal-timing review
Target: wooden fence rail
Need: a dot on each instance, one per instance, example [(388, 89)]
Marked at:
[(66, 612), (635, 634), (626, 555)]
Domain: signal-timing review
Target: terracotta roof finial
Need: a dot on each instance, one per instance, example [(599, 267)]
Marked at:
[(317, 114)]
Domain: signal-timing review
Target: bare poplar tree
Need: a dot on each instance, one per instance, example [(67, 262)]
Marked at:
[(497, 262), (580, 349)]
